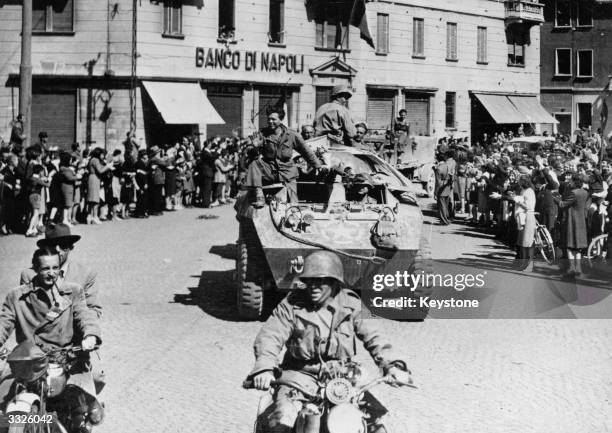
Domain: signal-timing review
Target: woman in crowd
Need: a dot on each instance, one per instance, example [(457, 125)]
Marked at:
[(525, 204), (97, 168), (36, 183), (220, 178), (67, 179), (573, 224)]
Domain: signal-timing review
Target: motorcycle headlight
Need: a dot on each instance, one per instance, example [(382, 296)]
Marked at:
[(345, 418)]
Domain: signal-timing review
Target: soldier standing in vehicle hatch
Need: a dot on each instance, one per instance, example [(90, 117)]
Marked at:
[(276, 162), (333, 119)]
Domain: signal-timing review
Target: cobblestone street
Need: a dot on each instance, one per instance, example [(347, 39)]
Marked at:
[(175, 354)]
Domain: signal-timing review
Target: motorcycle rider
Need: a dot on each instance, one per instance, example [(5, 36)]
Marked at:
[(323, 320), (276, 162), (48, 314)]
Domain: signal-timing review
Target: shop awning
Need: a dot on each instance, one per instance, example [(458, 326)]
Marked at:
[(531, 107), (514, 109), (500, 108), (182, 103)]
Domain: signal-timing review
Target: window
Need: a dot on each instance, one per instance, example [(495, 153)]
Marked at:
[(227, 28), (450, 109), (332, 36), (451, 41), (516, 46), (481, 55), (585, 116), (418, 37), (276, 34), (563, 13), (585, 63), (584, 16), (52, 16), (382, 34), (563, 61), (173, 17)]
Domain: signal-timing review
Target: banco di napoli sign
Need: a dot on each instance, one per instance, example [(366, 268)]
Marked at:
[(225, 59)]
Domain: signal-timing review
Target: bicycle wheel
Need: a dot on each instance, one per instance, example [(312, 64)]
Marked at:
[(596, 249), (545, 244)]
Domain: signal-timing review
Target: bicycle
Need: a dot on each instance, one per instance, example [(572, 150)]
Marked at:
[(597, 250), (543, 242)]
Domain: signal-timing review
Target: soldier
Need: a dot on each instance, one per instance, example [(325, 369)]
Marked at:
[(308, 132), (444, 188), (276, 162), (325, 318), (333, 119)]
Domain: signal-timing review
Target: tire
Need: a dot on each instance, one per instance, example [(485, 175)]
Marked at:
[(249, 295), (596, 247), (546, 246)]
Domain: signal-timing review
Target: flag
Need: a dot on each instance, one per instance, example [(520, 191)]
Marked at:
[(359, 19)]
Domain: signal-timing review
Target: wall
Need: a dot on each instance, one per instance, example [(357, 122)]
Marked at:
[(168, 58)]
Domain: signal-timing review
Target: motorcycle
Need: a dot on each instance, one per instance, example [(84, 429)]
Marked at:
[(42, 399), (339, 405)]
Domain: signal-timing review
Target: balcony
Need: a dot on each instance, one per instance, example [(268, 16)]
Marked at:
[(524, 12)]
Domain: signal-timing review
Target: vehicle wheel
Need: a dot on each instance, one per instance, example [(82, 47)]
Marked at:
[(545, 245), (249, 295), (596, 250), (430, 185)]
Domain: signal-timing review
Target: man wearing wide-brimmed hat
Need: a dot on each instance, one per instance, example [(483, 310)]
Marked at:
[(333, 118), (59, 236)]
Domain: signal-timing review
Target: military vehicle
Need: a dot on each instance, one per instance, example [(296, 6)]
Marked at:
[(375, 235), (417, 162)]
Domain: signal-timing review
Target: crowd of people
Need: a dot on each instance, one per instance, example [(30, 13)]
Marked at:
[(41, 184), (508, 186)]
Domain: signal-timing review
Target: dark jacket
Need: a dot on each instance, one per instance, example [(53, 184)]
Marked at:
[(573, 226), (156, 170)]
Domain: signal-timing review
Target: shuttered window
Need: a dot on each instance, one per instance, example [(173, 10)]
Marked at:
[(323, 95), (451, 41), (55, 113), (451, 98), (418, 37), (380, 110), (382, 34), (482, 45), (273, 97), (52, 16), (417, 113), (227, 100), (173, 17)]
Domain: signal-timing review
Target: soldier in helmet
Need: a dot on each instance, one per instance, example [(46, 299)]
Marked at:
[(333, 119), (324, 320)]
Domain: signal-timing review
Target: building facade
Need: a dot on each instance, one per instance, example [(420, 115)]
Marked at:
[(451, 64), (576, 64)]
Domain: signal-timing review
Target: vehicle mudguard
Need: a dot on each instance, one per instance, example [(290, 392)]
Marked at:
[(425, 171), (22, 402)]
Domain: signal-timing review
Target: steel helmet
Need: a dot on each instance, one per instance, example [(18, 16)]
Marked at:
[(323, 264)]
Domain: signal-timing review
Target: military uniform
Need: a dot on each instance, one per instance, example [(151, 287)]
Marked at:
[(331, 331), (276, 162), (334, 119)]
